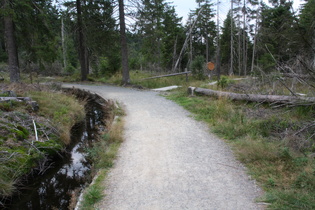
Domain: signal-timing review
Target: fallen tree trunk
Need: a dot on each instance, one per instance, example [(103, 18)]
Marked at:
[(275, 99), (6, 99), (34, 105), (170, 75)]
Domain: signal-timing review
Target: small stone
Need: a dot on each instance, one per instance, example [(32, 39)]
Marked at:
[(34, 105)]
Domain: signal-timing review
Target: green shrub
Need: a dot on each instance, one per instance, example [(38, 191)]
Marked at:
[(224, 82), (197, 67)]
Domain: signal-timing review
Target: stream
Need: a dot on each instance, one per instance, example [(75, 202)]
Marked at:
[(60, 185)]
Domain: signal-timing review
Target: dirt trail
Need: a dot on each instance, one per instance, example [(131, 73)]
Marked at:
[(171, 161)]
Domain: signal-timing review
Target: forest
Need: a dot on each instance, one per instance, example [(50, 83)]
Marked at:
[(101, 38), (261, 87)]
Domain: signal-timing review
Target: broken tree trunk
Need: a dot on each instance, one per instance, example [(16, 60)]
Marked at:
[(275, 99)]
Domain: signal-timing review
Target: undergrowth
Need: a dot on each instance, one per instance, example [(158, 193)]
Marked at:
[(268, 142)]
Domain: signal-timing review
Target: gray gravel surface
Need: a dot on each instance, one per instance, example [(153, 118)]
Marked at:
[(171, 161)]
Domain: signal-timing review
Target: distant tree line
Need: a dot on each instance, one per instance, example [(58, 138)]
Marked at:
[(106, 36)]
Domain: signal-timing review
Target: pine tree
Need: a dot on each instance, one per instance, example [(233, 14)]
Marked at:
[(204, 32), (99, 26), (173, 37), (158, 26), (276, 36), (307, 24), (226, 43)]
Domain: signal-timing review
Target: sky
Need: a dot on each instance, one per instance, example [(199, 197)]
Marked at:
[(183, 7)]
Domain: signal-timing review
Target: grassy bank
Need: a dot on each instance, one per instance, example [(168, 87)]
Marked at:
[(63, 111), (103, 153), (20, 152), (264, 139)]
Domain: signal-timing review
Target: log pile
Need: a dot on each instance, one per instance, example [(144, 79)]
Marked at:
[(274, 99)]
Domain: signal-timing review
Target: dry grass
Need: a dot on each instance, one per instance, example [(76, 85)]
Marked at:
[(64, 110)]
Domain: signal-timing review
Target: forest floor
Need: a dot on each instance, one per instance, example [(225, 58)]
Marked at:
[(171, 161)]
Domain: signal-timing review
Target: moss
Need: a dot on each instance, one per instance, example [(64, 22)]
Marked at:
[(24, 131), (18, 134), (50, 147)]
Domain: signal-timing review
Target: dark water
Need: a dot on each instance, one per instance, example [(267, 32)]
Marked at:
[(54, 189)]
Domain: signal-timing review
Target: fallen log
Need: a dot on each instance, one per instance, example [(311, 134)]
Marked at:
[(170, 75), (34, 105), (274, 99), (6, 99)]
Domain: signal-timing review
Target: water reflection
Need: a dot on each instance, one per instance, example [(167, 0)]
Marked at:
[(53, 190)]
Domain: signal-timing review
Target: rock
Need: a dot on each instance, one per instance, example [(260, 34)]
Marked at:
[(34, 105)]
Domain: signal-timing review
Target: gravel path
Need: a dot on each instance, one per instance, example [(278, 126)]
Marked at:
[(171, 161)]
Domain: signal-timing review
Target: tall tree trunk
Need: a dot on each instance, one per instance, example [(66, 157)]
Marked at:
[(232, 42), (82, 48), (218, 56), (254, 48), (207, 49), (123, 41), (244, 38), (64, 50), (174, 54), (239, 47), (190, 49), (9, 31)]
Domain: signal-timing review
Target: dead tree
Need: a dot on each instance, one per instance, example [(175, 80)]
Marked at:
[(274, 99)]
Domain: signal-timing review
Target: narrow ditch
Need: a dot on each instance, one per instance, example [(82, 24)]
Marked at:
[(69, 173)]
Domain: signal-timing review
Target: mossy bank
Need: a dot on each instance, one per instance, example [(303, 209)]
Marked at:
[(29, 138)]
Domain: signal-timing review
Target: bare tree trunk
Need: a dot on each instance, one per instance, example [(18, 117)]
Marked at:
[(64, 50), (218, 56), (239, 47), (254, 49), (244, 38), (11, 47), (82, 48), (232, 42), (123, 41), (174, 55), (207, 49), (190, 48)]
